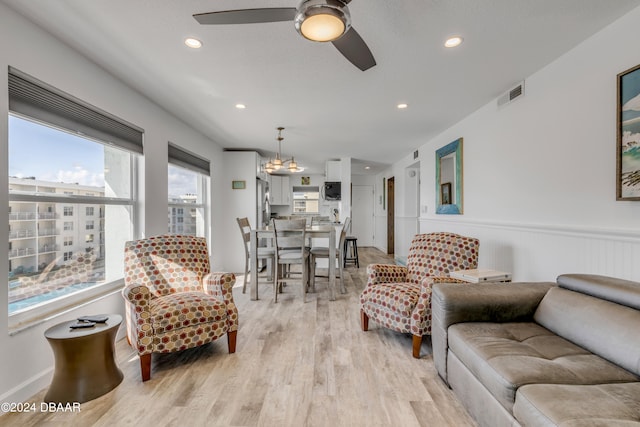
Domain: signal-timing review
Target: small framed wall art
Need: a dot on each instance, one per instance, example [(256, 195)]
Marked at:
[(238, 185), (628, 140)]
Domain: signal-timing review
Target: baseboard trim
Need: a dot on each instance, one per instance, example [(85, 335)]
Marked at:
[(27, 389)]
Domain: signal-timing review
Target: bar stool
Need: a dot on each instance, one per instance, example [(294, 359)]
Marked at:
[(351, 251)]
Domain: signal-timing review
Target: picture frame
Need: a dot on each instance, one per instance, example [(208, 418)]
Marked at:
[(448, 169), (628, 135), (238, 185), (445, 193), (305, 180)]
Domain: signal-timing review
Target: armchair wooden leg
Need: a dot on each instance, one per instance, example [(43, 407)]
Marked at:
[(145, 366), (417, 342), (364, 321), (231, 340)]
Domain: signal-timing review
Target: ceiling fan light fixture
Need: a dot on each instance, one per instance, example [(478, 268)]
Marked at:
[(322, 20)]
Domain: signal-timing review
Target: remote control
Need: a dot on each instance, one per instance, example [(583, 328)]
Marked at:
[(94, 319), (79, 325)]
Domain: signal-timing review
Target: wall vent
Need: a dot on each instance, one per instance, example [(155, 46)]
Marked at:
[(511, 95)]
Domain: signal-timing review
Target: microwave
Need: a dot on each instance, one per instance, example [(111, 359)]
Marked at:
[(332, 190)]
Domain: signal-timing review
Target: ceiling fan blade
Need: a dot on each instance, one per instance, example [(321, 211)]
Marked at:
[(247, 16), (355, 50)]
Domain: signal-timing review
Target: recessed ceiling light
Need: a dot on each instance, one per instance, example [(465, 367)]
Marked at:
[(241, 106), (402, 106), (453, 41), (193, 43), (367, 167)]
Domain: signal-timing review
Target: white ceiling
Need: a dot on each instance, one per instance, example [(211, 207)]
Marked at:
[(329, 108)]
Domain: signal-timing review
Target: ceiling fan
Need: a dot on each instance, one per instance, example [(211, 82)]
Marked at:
[(316, 20)]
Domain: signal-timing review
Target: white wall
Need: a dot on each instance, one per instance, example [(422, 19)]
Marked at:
[(26, 360), (539, 174), (240, 166)]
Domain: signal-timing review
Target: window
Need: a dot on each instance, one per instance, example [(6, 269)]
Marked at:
[(306, 200), (188, 185), (88, 238), (89, 225), (89, 211), (65, 157)]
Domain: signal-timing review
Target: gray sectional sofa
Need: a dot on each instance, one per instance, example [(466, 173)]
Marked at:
[(541, 354)]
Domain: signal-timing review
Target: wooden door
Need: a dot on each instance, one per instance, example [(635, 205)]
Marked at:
[(391, 240)]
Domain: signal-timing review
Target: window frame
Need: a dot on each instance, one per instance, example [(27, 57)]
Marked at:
[(305, 190), (40, 103), (178, 157)]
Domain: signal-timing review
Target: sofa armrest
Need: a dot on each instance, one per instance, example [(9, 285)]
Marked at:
[(479, 302)]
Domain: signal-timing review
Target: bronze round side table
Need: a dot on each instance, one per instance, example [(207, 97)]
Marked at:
[(84, 363)]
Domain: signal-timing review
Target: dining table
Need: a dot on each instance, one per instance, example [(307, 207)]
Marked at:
[(311, 231)]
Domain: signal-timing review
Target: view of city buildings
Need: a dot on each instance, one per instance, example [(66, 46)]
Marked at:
[(41, 233), (55, 248), (183, 219)]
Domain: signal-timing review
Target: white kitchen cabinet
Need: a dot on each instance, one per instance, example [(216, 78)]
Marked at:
[(280, 190)]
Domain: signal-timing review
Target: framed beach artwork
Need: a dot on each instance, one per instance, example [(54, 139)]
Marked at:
[(628, 141)]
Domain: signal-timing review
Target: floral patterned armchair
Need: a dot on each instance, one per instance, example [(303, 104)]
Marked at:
[(173, 301), (399, 298)]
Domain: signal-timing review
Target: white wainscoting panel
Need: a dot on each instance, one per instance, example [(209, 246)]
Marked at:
[(542, 252)]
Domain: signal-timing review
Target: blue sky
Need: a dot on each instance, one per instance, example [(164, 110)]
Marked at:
[(52, 155), (44, 153)]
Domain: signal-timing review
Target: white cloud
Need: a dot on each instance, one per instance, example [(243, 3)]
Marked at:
[(632, 104), (181, 182), (81, 176)]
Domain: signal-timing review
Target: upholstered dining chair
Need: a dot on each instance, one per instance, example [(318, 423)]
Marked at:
[(291, 249), (323, 252), (399, 298), (173, 301), (263, 252)]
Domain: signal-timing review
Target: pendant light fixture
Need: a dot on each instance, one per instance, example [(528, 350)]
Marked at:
[(277, 163)]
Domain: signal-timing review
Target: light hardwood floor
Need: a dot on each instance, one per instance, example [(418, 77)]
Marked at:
[(295, 365)]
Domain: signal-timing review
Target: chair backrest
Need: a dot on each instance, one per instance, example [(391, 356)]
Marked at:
[(343, 233), (245, 229), (438, 254), (347, 225), (167, 264), (289, 234)]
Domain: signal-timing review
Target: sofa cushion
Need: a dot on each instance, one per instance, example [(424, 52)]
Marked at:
[(391, 300), (620, 291), (184, 309), (505, 356), (578, 405), (602, 327)]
